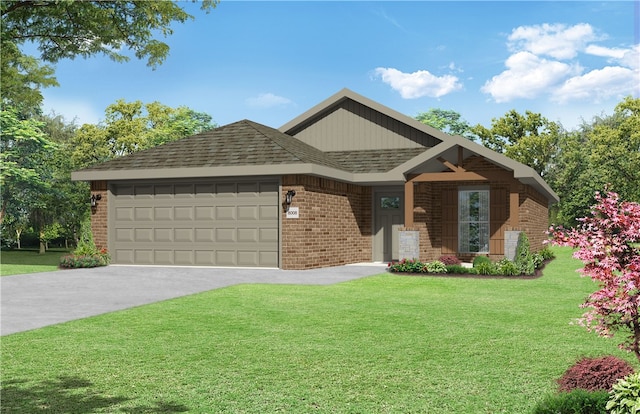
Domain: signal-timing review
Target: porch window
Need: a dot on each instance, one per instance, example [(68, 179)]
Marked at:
[(473, 221)]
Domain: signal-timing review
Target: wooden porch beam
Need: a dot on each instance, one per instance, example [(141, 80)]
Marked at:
[(462, 176), (408, 203), (514, 207), (450, 165)]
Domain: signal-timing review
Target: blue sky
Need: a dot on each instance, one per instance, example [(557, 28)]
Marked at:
[(271, 61)]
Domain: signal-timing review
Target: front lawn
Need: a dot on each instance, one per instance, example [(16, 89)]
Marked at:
[(14, 262), (382, 344)]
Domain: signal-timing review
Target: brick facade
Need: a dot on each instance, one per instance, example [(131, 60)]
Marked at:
[(335, 223), (435, 216), (99, 221), (334, 227), (534, 212)]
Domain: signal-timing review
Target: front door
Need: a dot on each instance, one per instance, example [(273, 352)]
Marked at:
[(389, 217)]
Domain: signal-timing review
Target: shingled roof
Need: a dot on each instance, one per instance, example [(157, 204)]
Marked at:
[(246, 143), (247, 148), (240, 143), (374, 161)]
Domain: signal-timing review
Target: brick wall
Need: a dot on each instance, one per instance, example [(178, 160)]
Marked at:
[(334, 226), (435, 216), (534, 213), (99, 214)]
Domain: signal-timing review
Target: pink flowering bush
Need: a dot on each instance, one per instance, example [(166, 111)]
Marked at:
[(608, 243)]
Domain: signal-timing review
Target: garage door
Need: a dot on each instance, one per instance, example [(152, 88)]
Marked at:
[(197, 223)]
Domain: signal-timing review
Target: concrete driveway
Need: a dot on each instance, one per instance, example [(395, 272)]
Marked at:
[(41, 299)]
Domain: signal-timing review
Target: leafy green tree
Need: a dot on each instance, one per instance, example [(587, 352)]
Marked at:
[(447, 121), (530, 139), (22, 78), (27, 174), (134, 126), (66, 29), (24, 149), (605, 153), (71, 201)]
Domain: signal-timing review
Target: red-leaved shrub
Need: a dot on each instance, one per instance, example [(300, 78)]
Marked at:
[(449, 260), (594, 374)]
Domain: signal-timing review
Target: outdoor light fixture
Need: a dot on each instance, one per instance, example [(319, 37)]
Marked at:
[(288, 198), (94, 200)]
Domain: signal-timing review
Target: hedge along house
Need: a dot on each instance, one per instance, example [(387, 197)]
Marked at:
[(348, 181)]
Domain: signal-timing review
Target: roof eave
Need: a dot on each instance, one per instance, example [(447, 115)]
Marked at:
[(226, 171)]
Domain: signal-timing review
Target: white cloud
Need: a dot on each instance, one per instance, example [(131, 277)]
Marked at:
[(527, 76), (418, 84), (555, 40), (631, 58), (598, 85), (605, 51), (544, 61), (267, 100)]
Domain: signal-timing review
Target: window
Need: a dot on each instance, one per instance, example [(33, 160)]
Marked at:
[(473, 221), (390, 202)]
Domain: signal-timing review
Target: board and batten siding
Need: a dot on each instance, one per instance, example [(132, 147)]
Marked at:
[(352, 126)]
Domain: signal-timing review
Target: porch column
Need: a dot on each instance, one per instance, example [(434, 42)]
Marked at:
[(514, 207), (408, 203)]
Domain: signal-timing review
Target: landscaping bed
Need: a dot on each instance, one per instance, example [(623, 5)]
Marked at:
[(526, 264), (538, 273)]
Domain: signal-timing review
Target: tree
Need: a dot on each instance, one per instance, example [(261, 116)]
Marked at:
[(530, 139), (22, 78), (608, 244), (450, 122), (71, 201), (603, 153), (66, 29), (134, 126), (26, 177), (24, 148)]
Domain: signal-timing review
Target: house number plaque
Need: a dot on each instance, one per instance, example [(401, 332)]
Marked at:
[(293, 213)]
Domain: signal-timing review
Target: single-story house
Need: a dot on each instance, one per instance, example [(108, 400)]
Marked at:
[(348, 181)]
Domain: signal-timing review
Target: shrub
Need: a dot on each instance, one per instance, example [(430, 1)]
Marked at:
[(523, 248), (461, 270), (594, 374), (449, 260), (480, 259), (625, 395), (575, 402), (436, 267), (407, 266), (75, 261), (86, 253), (86, 245), (508, 268), (487, 269), (525, 260), (547, 254)]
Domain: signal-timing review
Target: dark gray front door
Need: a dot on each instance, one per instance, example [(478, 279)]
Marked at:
[(389, 217)]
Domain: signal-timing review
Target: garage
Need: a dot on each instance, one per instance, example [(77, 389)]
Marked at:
[(206, 222)]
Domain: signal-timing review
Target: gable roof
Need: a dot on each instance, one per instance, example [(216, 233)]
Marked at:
[(247, 148), (445, 142)]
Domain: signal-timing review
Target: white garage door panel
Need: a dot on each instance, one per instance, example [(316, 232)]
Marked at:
[(205, 223)]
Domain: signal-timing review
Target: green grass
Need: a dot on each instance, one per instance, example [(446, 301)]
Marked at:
[(17, 262), (382, 344)]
